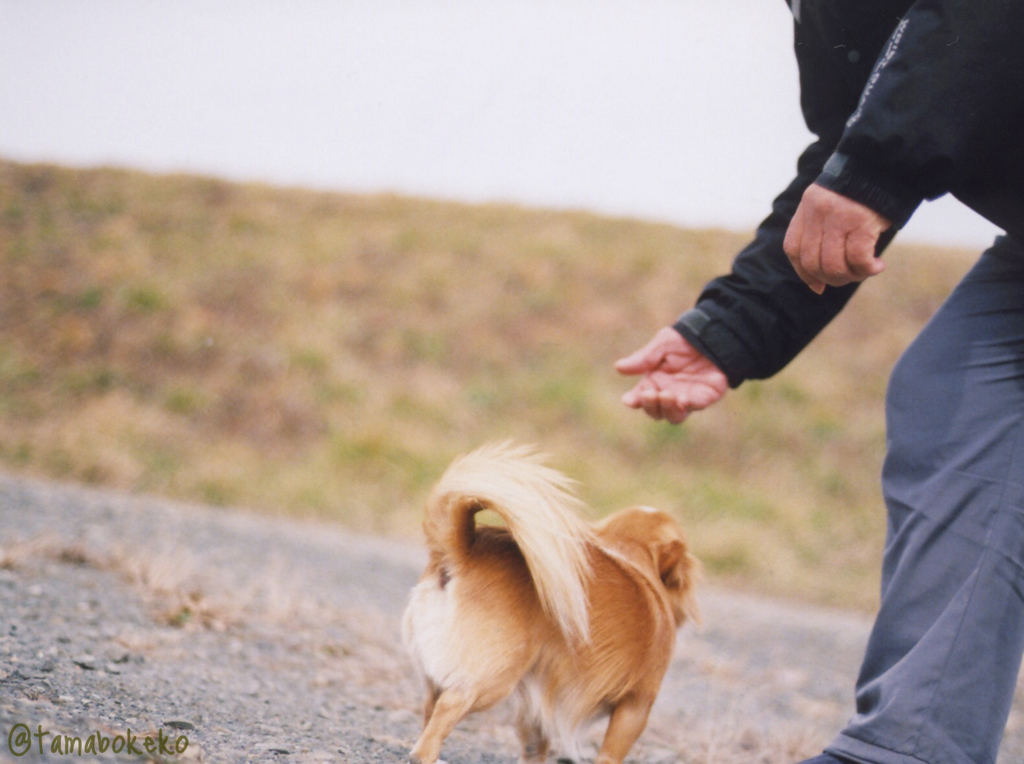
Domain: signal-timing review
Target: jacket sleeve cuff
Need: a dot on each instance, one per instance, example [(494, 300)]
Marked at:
[(715, 340), (888, 197)]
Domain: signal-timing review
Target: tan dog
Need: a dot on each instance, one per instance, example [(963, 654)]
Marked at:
[(577, 621)]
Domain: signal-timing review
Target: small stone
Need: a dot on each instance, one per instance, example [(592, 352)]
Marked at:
[(178, 724), (318, 757), (86, 662)]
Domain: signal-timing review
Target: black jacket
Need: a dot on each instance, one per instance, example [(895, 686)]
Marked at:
[(909, 101)]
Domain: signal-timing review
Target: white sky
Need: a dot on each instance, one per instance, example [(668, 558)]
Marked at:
[(671, 110)]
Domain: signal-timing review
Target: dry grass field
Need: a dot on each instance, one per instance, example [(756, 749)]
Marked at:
[(326, 355)]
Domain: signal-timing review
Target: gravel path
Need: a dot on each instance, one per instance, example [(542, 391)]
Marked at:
[(269, 640)]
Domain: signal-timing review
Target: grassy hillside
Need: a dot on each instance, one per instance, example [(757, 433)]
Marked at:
[(326, 355)]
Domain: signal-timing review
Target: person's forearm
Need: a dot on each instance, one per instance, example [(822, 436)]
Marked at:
[(754, 320)]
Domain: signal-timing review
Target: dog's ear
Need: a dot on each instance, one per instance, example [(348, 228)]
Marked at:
[(670, 555), (679, 571)]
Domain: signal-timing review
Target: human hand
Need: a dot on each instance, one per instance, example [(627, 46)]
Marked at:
[(677, 378), (832, 239)]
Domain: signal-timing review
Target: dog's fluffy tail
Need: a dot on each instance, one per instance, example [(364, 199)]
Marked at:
[(541, 512)]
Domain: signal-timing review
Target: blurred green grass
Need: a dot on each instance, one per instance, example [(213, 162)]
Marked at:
[(326, 355)]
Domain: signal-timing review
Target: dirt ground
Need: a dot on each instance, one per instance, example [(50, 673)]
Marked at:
[(256, 639)]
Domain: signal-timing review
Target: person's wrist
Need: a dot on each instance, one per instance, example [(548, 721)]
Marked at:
[(887, 196), (710, 337)]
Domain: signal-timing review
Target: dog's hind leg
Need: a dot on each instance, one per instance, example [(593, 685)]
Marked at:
[(449, 709), (535, 743), (627, 721)]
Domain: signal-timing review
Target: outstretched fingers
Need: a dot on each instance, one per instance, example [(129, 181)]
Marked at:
[(650, 356), (676, 378), (674, 395)]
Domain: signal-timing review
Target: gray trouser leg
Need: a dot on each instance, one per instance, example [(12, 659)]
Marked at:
[(942, 661)]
